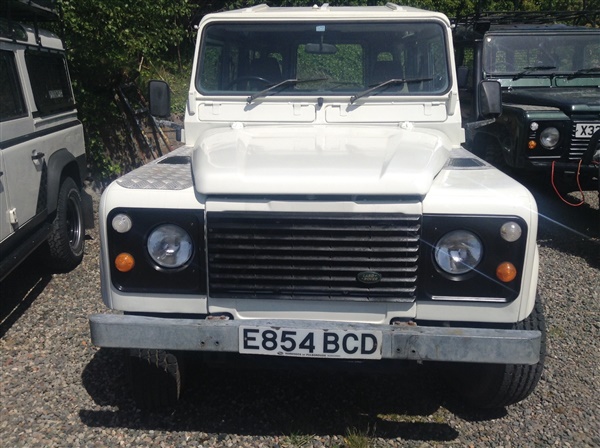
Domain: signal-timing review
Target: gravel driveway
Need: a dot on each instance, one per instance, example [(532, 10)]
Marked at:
[(59, 390)]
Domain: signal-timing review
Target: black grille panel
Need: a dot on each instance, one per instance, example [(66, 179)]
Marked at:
[(312, 256)]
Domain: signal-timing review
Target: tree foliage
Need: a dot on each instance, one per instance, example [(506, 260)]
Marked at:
[(107, 38), (108, 42)]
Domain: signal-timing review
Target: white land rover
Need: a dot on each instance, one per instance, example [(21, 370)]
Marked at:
[(42, 151), (323, 207)]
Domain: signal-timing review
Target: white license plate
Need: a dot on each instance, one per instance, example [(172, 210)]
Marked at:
[(583, 130), (296, 342)]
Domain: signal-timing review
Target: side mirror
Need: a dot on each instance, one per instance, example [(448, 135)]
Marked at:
[(159, 96), (490, 99)]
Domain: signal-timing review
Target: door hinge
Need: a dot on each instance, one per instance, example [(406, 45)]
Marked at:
[(12, 216)]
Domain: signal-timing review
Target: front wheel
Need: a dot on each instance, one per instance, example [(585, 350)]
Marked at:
[(498, 385), (67, 237)]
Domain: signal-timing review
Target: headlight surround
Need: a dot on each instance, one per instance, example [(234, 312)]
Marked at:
[(170, 246), (458, 252), (146, 276), (549, 137), (482, 283)]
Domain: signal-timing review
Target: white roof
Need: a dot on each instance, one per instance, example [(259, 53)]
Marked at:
[(25, 34), (389, 11), (48, 39)]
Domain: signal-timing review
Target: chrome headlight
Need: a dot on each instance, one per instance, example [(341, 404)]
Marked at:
[(549, 137), (170, 246), (458, 252)]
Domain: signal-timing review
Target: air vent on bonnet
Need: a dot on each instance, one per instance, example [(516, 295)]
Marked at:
[(176, 160), (465, 162)]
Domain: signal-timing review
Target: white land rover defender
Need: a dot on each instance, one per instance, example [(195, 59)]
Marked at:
[(42, 151), (323, 207)]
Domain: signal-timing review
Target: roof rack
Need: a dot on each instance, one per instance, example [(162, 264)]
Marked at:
[(30, 10), (579, 18)]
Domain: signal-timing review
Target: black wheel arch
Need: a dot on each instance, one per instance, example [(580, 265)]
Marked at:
[(63, 164)]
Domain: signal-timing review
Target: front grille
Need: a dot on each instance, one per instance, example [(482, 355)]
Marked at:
[(313, 255)]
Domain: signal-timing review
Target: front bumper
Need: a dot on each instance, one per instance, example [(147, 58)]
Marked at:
[(400, 342)]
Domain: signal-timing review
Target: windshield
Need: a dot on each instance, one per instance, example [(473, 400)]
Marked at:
[(329, 58), (573, 55)]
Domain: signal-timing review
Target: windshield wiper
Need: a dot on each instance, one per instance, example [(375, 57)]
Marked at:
[(282, 84), (583, 72), (528, 70), (389, 82)]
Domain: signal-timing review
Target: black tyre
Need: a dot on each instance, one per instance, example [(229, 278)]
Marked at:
[(498, 385), (156, 378), (67, 238)]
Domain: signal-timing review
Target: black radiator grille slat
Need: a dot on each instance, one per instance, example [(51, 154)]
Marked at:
[(245, 271), (317, 258), (255, 238), (252, 249), (301, 255)]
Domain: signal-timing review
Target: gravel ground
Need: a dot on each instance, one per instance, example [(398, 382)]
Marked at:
[(59, 390)]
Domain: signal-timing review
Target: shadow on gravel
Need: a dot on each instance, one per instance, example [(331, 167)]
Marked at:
[(19, 290), (571, 230), (223, 399), (457, 407)]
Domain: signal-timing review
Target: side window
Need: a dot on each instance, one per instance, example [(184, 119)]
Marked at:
[(211, 68), (464, 56), (426, 61), (564, 57), (49, 82), (12, 104), (220, 68), (591, 53), (344, 66), (437, 55)]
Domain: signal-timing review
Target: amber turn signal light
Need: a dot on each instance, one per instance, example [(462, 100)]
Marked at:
[(532, 144), (124, 262), (506, 272)]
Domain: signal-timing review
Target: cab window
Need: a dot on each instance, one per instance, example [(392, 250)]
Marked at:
[(12, 104), (50, 82)]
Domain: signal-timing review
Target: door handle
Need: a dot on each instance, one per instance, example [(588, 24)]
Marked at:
[(36, 155)]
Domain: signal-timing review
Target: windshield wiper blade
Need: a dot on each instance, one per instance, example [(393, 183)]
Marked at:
[(528, 70), (389, 82), (583, 72), (284, 83)]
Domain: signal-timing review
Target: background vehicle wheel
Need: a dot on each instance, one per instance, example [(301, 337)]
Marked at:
[(67, 238), (497, 385), (156, 378)]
